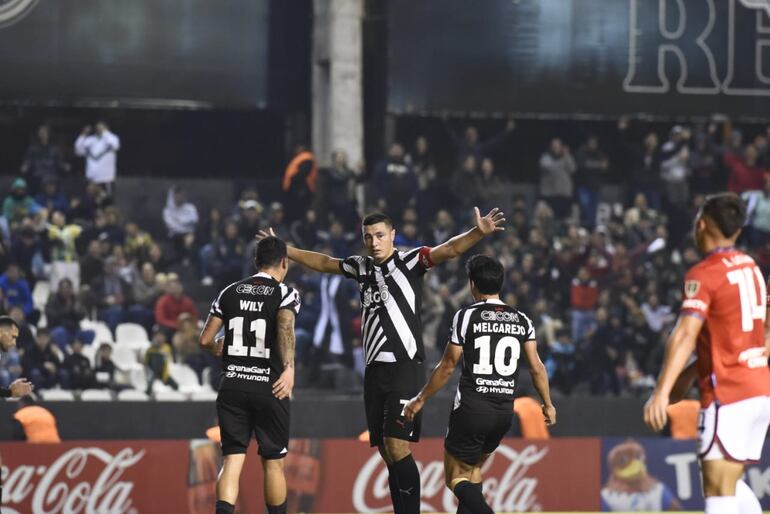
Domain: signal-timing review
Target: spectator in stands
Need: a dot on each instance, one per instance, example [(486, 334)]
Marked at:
[(703, 163), (187, 348), (50, 198), (83, 208), (336, 187), (158, 359), (441, 229), (170, 305), (592, 170), (556, 169), (75, 371), (35, 424), (146, 292), (105, 369), (64, 311), (26, 338), (675, 166), (607, 354), (463, 186), (17, 292), (228, 256), (470, 145), (395, 181), (42, 160), (337, 241), (158, 259), (41, 362), (745, 172), (100, 149), (645, 171), (10, 367), (758, 215), (138, 243), (560, 362), (276, 219), (655, 314), (92, 263), (62, 238), (299, 182), (250, 222), (111, 295), (27, 252), (584, 295), (19, 204), (181, 218), (113, 227), (304, 232), (407, 237), (489, 186)]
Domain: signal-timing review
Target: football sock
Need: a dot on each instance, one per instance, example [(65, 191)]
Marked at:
[(464, 509), (722, 505), (747, 501), (395, 494), (408, 477), (277, 509), (472, 498), (225, 508)]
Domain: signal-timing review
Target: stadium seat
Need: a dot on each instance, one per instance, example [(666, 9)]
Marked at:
[(204, 395), (102, 331), (170, 396), (40, 294), (89, 351), (96, 395), (185, 377), (123, 356), (136, 376), (56, 395), (132, 395), (132, 334)]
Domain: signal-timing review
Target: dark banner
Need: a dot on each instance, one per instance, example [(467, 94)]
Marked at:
[(665, 58), (149, 51)]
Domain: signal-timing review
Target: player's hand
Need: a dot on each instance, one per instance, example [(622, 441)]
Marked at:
[(285, 383), (219, 346), (491, 222), (655, 415), (268, 232), (549, 412), (20, 387), (414, 406)]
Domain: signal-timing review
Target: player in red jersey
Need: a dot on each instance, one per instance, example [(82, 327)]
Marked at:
[(723, 319)]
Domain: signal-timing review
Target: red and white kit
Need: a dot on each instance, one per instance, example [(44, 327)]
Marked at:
[(726, 289)]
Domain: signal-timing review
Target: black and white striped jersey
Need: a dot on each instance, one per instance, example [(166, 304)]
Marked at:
[(252, 360), (391, 299), (491, 334)]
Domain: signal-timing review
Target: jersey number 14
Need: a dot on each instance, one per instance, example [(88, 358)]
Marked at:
[(237, 349), (753, 305)]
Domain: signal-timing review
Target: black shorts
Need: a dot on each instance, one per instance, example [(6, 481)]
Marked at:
[(242, 414), (387, 389), (476, 432)]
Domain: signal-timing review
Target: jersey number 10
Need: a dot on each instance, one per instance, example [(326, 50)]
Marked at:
[(503, 368), (238, 349), (752, 304)]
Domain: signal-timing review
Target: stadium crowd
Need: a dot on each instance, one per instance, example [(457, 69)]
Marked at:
[(598, 268)]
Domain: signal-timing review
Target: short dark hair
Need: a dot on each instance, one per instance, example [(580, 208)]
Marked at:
[(7, 321), (270, 252), (727, 210), (487, 273), (377, 217)]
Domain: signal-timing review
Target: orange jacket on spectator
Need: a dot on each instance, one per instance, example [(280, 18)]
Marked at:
[(531, 418), (684, 419), (168, 309), (293, 168), (38, 423)]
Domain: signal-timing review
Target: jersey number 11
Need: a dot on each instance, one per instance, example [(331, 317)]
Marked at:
[(238, 349)]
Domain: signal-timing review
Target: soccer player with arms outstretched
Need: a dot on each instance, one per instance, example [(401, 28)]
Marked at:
[(390, 283), (257, 314), (723, 318), (488, 336)]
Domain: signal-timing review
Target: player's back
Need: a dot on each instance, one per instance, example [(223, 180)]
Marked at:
[(727, 290), (491, 334), (251, 359)]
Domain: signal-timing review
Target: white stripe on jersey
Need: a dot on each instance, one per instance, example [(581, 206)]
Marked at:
[(413, 258), (403, 284), (215, 306), (378, 341), (401, 326), (350, 269), (466, 320)]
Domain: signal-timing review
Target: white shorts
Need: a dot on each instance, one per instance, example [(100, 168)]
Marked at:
[(734, 432)]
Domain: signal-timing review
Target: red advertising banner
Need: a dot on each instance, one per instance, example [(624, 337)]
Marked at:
[(331, 476)]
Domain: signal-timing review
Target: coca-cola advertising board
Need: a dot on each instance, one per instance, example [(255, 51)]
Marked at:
[(135, 477)]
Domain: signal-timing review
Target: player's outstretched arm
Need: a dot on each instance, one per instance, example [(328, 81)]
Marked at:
[(680, 345), (540, 381), (461, 243), (208, 338), (313, 260), (286, 344), (438, 379)]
